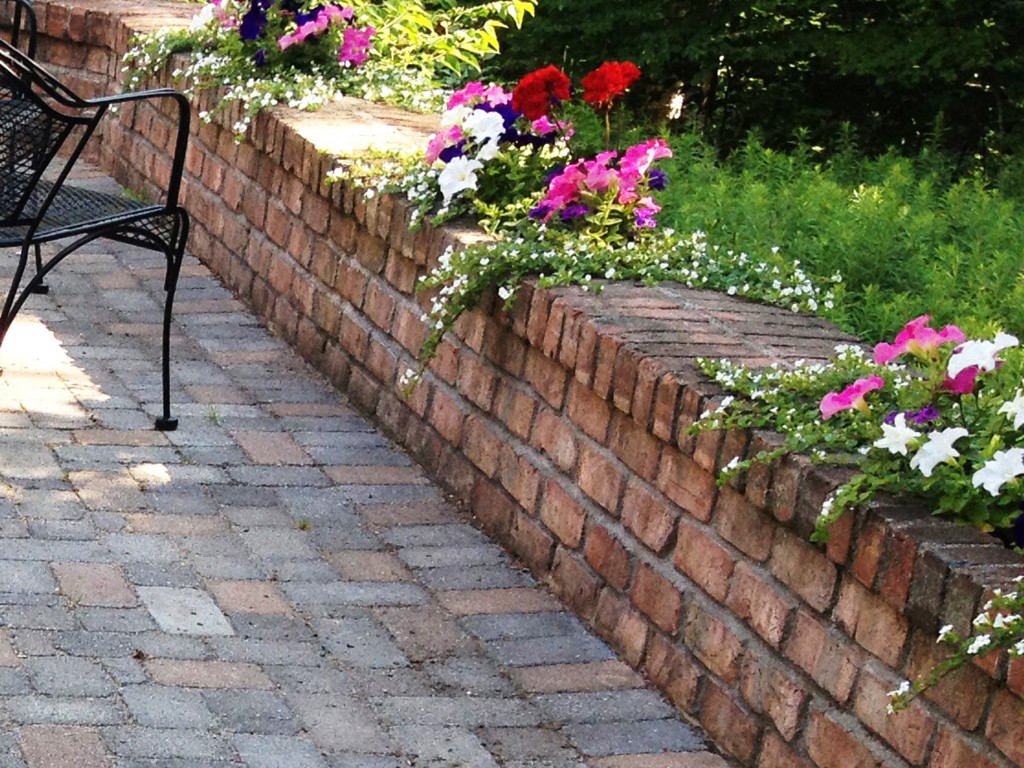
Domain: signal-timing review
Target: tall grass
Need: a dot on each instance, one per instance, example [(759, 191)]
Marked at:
[(907, 237)]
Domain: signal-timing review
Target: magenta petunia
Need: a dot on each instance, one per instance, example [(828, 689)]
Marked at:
[(918, 339), (851, 397)]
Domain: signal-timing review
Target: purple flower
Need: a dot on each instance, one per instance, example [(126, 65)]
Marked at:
[(574, 211), (657, 179), (253, 22), (260, 57), (540, 212), (644, 217), (302, 17), (450, 153), (923, 416)]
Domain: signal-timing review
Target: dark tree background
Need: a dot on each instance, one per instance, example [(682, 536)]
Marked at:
[(948, 73)]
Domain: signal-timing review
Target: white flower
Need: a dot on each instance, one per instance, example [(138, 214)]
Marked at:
[(458, 175), (944, 632), (898, 436), (484, 126), (939, 448), (204, 17), (1004, 620), (980, 353), (488, 151), (1015, 408), (1001, 468), (454, 116), (977, 644)]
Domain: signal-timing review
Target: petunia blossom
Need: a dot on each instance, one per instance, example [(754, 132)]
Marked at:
[(355, 45), (918, 339), (458, 175), (1015, 408), (981, 353), (937, 449), (999, 470), (897, 437), (851, 397)]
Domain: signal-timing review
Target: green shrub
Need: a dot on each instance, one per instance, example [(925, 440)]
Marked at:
[(907, 237)]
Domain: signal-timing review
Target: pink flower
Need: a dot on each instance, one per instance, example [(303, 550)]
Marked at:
[(963, 382), (470, 94), (355, 45), (637, 160), (918, 339), (495, 95), (851, 397), (439, 141), (543, 126)]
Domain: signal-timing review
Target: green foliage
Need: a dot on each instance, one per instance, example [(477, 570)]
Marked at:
[(907, 239), (416, 50), (896, 71)]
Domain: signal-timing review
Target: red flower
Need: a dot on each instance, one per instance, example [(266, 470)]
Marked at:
[(609, 81), (537, 91)]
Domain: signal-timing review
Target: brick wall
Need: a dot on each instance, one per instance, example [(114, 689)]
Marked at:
[(563, 426)]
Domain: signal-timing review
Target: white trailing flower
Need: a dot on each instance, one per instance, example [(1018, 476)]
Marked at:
[(938, 449), (999, 470)]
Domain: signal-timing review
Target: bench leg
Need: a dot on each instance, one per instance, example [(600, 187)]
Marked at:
[(166, 422), (39, 287)]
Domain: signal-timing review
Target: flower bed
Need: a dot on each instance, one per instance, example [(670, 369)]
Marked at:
[(564, 425)]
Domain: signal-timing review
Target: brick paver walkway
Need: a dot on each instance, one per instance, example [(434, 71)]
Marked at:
[(272, 586)]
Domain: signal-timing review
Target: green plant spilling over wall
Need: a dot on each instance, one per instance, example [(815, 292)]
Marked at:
[(305, 54)]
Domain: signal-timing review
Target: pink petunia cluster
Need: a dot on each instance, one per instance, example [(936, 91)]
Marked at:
[(324, 18), (355, 45), (918, 339), (458, 107), (626, 178)]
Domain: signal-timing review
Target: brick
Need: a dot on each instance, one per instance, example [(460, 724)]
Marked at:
[(271, 447), (952, 750), (868, 554), (769, 690), (704, 559), (689, 485), (589, 412), (634, 446), (833, 741), (600, 477), (830, 659), (63, 746), (473, 602), (481, 445), (804, 569), (657, 598), (624, 628), (673, 671), (661, 760), (650, 517), (99, 584), (1005, 725), (447, 417), (962, 693), (175, 525), (741, 524), (755, 600), (776, 754), (206, 674), (563, 515), (908, 732), (532, 544), (714, 643), (369, 565), (515, 408), (608, 557), (259, 597), (574, 583), (547, 377), (553, 436), (493, 509), (520, 478), (728, 723), (874, 624), (588, 676), (477, 381)]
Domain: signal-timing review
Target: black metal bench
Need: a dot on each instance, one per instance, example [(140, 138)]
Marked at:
[(44, 128)]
